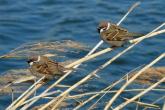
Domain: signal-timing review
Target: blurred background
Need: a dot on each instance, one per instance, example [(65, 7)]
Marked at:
[(23, 21)]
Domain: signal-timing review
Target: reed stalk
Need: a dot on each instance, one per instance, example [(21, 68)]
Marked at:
[(95, 95), (125, 77), (26, 96), (157, 100), (88, 57), (45, 95), (131, 80), (112, 91), (10, 107), (144, 37), (141, 93), (96, 71), (92, 51), (143, 104)]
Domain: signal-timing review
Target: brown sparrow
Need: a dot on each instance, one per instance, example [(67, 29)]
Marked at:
[(43, 66), (114, 35)]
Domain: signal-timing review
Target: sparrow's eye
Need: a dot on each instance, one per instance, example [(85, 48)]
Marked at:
[(29, 61)]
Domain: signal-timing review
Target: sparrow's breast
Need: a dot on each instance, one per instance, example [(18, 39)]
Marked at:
[(104, 36), (116, 43), (38, 69)]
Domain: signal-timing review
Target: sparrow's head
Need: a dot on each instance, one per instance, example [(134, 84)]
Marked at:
[(103, 26), (33, 59)]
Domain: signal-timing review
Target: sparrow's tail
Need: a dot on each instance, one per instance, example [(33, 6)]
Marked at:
[(136, 34)]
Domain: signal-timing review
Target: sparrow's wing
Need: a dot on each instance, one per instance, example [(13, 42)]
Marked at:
[(43, 69), (130, 36), (117, 33), (123, 34), (112, 35), (55, 67), (120, 29), (38, 70)]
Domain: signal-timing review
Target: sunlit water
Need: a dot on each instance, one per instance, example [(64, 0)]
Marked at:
[(23, 21)]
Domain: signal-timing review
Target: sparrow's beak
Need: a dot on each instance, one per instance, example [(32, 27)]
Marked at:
[(98, 29), (28, 61)]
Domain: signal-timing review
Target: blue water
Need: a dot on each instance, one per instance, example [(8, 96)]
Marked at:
[(23, 21)]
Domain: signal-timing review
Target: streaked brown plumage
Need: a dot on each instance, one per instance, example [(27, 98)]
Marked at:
[(41, 65), (114, 35)]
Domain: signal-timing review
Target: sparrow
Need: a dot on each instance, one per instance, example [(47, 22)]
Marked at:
[(43, 66), (114, 35)]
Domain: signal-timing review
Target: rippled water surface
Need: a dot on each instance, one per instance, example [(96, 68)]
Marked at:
[(23, 21)]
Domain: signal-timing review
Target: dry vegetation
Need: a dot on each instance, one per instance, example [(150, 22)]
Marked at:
[(148, 75)]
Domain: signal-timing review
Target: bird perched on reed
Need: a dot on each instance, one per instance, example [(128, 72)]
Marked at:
[(114, 35), (43, 66)]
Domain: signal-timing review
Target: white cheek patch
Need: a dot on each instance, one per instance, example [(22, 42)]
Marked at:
[(31, 63), (39, 58), (101, 30), (108, 26)]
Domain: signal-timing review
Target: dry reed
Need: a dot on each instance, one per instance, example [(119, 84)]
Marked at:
[(56, 101), (92, 51), (140, 94), (97, 70), (143, 104), (106, 89), (131, 80), (93, 73)]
